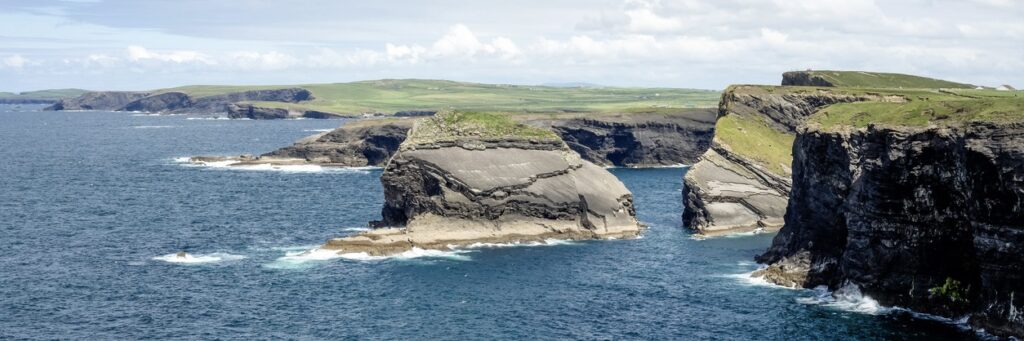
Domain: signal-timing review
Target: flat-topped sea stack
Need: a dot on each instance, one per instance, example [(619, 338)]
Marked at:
[(464, 178)]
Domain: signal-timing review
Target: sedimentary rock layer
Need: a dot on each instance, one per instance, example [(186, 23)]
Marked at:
[(639, 140), (476, 187), (175, 102), (928, 218)]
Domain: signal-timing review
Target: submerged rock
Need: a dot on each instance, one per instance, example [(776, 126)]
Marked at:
[(463, 178)]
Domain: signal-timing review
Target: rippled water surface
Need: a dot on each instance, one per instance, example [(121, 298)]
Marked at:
[(93, 204)]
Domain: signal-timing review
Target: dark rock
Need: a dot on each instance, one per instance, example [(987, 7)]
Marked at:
[(167, 101), (728, 192), (803, 78), (357, 144), (98, 100), (256, 113), (639, 140), (219, 103), (415, 113), (930, 219)]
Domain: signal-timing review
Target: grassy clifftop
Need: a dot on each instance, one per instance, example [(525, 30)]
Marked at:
[(747, 128), (456, 125), (862, 79), (53, 94), (413, 94), (948, 109)]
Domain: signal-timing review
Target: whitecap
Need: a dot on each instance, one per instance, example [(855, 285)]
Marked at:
[(153, 127), (847, 298), (754, 232), (305, 259), (355, 229), (198, 258), (214, 118), (317, 130), (230, 165), (747, 279), (546, 242)]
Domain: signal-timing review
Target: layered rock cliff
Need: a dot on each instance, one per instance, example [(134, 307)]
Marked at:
[(928, 217), (639, 140), (356, 144), (742, 182), (98, 100), (176, 102), (463, 178)]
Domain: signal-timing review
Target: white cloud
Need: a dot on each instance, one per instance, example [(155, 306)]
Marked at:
[(698, 43), (773, 37), (250, 60), (14, 61), (139, 53), (459, 43)]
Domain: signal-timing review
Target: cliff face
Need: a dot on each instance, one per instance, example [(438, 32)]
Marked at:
[(801, 78), (470, 187), (929, 218), (742, 182), (639, 140), (98, 100), (219, 103), (254, 112), (168, 101), (357, 144), (175, 102)]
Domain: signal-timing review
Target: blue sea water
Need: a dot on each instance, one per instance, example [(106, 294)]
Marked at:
[(90, 201)]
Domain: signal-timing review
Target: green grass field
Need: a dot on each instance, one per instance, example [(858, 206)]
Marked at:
[(388, 96), (453, 125), (44, 94), (749, 134), (883, 80), (988, 106)]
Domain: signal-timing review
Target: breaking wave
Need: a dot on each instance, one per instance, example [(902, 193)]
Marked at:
[(198, 258), (229, 165), (546, 242), (847, 298), (307, 258)]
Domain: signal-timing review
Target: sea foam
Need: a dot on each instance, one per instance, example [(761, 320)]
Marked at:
[(546, 242), (198, 258), (307, 258), (229, 165)]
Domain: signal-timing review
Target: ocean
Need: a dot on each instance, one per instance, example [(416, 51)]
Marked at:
[(92, 205)]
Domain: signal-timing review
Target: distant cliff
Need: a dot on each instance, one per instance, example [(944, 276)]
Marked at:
[(861, 79), (924, 217), (357, 144), (176, 102), (639, 140)]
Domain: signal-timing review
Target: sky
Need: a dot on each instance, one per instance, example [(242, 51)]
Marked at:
[(140, 45)]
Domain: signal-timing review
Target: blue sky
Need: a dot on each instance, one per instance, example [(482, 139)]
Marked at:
[(136, 45)]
